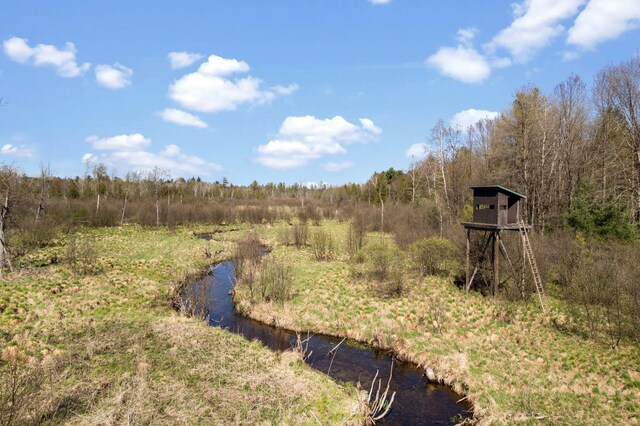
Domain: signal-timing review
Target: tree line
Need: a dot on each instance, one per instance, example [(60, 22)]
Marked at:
[(574, 152)]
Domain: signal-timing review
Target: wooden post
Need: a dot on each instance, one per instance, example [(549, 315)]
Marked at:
[(467, 270), (524, 266), (496, 261)]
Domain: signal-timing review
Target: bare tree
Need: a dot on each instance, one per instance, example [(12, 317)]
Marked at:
[(618, 90), (45, 178), (9, 192), (99, 174), (416, 177), (155, 178), (570, 117)]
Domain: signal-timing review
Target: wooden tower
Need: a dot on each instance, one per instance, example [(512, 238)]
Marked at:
[(497, 209)]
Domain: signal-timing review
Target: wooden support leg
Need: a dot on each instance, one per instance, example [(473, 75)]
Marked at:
[(496, 262), (468, 267), (524, 266)]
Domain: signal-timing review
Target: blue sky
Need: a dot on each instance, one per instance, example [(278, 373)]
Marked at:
[(293, 91)]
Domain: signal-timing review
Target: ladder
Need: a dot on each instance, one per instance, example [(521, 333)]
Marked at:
[(528, 253)]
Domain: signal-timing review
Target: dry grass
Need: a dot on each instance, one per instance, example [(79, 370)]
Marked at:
[(512, 362), (108, 348)]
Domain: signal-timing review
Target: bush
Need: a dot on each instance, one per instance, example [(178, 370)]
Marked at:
[(300, 235), (274, 283), (247, 258), (21, 378), (385, 264), (322, 245), (601, 287), (434, 256), (285, 236), (82, 256), (355, 239)]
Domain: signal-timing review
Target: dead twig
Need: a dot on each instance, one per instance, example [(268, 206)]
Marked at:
[(380, 406)]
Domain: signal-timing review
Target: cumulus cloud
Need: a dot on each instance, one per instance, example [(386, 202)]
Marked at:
[(462, 63), (466, 35), (16, 150), (469, 117), (113, 77), (302, 139), (182, 118), (183, 59), (603, 20), (379, 1), (338, 167), (536, 23), (128, 151), (417, 151), (132, 142), (212, 88), (62, 60)]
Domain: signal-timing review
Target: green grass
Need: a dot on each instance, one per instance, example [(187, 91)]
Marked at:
[(508, 358), (108, 347)]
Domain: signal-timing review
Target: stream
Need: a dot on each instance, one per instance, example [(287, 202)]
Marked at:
[(417, 402)]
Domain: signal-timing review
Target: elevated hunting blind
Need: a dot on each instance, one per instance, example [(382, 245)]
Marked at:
[(496, 209), (496, 205)]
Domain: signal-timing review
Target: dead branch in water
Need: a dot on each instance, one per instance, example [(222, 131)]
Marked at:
[(333, 353), (380, 406), (302, 347)]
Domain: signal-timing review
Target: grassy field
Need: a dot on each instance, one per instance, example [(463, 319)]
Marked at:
[(102, 344), (510, 360)]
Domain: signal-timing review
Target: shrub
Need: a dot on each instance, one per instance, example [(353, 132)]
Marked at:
[(274, 283), (247, 258), (355, 239), (82, 256), (300, 234), (285, 236), (434, 256), (21, 377), (322, 245), (385, 264), (601, 287)]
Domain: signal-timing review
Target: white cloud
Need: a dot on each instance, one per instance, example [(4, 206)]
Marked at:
[(182, 118), (113, 77), (183, 59), (285, 90), (469, 117), (462, 63), (368, 125), (63, 61), (302, 139), (501, 62), (128, 152), (18, 151), (210, 89), (417, 151), (536, 23), (88, 158), (466, 35), (338, 167), (603, 20), (570, 56), (219, 66), (379, 1), (132, 142)]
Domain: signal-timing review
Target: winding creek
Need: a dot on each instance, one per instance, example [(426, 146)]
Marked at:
[(417, 402)]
